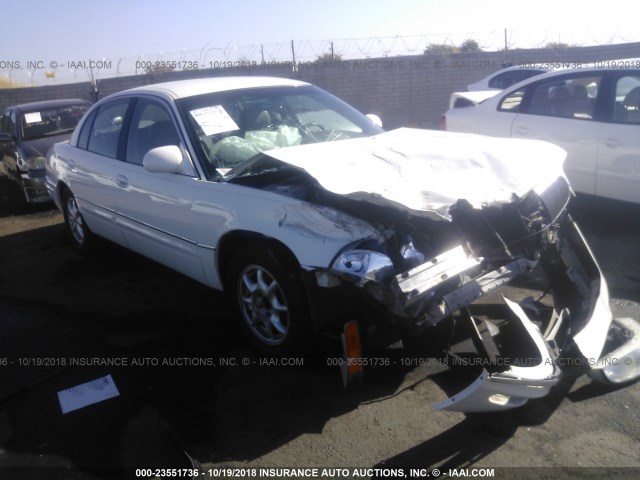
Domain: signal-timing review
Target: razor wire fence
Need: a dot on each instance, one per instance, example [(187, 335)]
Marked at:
[(212, 55)]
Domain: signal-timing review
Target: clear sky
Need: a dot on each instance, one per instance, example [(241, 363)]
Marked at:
[(126, 31)]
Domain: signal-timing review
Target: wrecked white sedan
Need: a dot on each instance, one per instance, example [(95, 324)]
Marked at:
[(310, 216)]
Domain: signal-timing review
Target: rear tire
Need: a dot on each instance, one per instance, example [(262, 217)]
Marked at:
[(82, 239), (269, 299)]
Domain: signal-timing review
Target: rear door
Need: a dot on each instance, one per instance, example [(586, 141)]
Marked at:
[(94, 165), (564, 110), (618, 174)]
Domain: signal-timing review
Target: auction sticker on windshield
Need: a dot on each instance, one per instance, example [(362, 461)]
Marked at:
[(33, 117), (214, 120)]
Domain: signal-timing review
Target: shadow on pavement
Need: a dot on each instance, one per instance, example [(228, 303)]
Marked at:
[(116, 304), (478, 435), (12, 201), (612, 229)]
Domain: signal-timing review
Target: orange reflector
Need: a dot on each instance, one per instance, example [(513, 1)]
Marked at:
[(352, 367)]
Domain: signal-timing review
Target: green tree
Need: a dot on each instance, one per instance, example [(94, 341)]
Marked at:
[(440, 48), (326, 57), (470, 45), (556, 45)]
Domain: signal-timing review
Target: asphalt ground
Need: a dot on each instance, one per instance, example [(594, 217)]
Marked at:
[(191, 392)]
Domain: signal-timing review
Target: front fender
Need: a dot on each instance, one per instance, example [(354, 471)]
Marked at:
[(313, 233)]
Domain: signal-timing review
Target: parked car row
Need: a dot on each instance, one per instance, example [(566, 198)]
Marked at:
[(27, 132), (310, 216)]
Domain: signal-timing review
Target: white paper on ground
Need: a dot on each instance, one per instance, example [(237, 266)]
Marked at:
[(88, 393)]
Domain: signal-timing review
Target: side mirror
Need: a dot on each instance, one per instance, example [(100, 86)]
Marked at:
[(167, 159), (375, 119)]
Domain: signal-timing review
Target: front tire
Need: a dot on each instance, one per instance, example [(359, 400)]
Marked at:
[(269, 299), (81, 237)]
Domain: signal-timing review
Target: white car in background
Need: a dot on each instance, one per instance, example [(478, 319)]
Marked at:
[(491, 85), (592, 113), (505, 77), (470, 99)]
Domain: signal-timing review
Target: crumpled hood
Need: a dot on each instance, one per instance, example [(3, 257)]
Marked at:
[(429, 170)]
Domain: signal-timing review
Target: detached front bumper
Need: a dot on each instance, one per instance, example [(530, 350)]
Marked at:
[(621, 365), (581, 326), (513, 387)]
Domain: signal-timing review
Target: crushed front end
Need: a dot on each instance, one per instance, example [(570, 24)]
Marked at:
[(427, 271)]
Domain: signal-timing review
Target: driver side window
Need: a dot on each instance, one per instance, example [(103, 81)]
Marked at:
[(151, 127)]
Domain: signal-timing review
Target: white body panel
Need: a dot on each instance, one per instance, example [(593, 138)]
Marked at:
[(91, 178), (154, 214), (426, 170), (603, 156), (618, 174), (578, 138)]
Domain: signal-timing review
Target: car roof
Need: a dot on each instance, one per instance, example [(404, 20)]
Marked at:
[(189, 88), (514, 68), (587, 68), (48, 104)]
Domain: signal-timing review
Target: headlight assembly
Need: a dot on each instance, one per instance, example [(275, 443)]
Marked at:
[(31, 163), (35, 163), (362, 266)]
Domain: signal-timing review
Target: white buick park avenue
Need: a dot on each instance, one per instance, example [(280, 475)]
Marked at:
[(310, 216)]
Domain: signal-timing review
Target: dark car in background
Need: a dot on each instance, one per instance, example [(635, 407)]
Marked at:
[(27, 131)]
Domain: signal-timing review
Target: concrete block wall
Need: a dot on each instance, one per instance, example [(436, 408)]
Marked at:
[(403, 91)]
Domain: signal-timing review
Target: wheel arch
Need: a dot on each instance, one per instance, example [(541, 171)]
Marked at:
[(235, 240), (61, 189)]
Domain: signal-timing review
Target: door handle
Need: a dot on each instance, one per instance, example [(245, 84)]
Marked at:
[(613, 142), (122, 181), (522, 130)]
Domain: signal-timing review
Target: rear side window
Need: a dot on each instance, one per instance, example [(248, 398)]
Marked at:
[(627, 100), (83, 139), (573, 97), (107, 126), (565, 97)]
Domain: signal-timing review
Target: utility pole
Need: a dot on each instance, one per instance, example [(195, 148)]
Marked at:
[(506, 50), (294, 68)]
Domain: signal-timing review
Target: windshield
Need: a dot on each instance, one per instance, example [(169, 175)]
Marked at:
[(231, 127), (51, 121)]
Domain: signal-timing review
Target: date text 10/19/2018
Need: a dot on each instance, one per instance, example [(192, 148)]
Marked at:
[(327, 473)]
